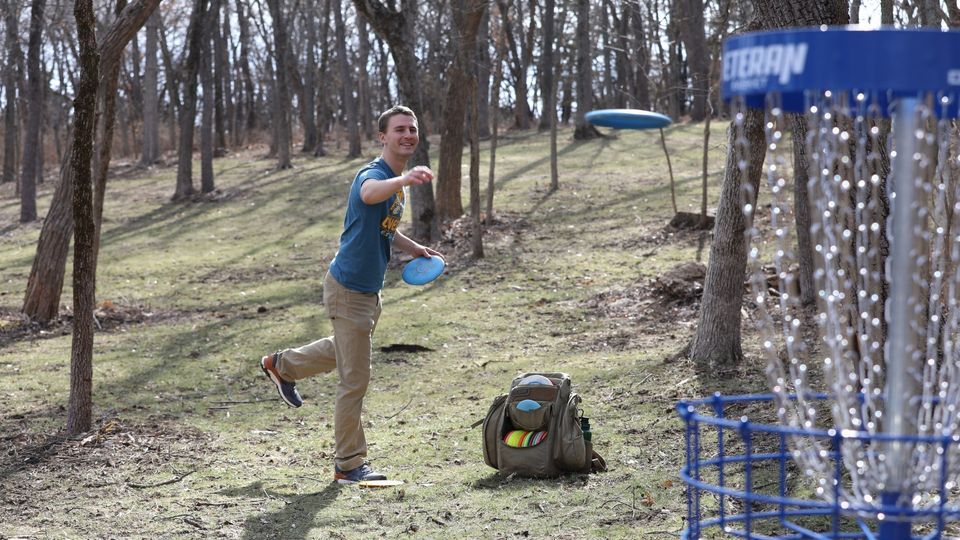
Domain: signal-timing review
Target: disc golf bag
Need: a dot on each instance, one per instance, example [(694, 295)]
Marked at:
[(542, 441)]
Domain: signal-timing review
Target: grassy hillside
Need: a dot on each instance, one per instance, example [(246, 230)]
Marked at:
[(191, 441)]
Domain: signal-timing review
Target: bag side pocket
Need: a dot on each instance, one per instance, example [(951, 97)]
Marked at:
[(571, 448), (491, 430)]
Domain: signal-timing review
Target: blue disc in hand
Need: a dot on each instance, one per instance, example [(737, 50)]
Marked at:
[(423, 270)]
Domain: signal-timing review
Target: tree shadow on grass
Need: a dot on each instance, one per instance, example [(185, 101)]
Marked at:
[(293, 521)]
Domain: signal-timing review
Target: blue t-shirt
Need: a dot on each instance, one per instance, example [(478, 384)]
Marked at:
[(368, 231)]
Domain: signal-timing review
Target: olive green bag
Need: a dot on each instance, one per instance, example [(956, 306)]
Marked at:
[(551, 439)]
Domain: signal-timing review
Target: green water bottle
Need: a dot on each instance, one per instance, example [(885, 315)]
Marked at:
[(585, 427)]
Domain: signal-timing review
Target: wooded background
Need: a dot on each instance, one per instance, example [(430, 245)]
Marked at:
[(301, 75), (85, 81)]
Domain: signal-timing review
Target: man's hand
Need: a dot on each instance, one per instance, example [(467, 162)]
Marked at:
[(423, 251), (417, 175)]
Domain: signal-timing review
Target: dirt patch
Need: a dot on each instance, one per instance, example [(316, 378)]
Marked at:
[(648, 307), (117, 455), (505, 229)]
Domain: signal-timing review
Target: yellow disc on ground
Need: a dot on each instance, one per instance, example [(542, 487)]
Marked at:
[(379, 483)]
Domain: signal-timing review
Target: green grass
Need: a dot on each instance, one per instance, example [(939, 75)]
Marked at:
[(191, 441)]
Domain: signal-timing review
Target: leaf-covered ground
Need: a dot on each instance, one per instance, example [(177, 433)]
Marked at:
[(190, 441)]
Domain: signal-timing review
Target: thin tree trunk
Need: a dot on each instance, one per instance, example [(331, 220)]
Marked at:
[(31, 143), (10, 82), (218, 56), (347, 85), (363, 82), (483, 74), (150, 152), (475, 164), (209, 99), (80, 407), (309, 105), (495, 127), (550, 92), (282, 97), (322, 106)]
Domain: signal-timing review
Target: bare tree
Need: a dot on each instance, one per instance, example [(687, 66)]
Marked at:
[(150, 151), (397, 29), (188, 112), (460, 75), (583, 129)]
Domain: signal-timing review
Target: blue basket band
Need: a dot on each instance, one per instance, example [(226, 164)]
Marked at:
[(877, 65)]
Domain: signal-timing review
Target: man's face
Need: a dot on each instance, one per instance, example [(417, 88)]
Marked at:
[(401, 137)]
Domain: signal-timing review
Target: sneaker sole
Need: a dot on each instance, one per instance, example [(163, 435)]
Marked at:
[(276, 382)]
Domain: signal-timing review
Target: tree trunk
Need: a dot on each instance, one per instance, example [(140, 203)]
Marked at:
[(10, 82), (80, 408), (31, 139), (309, 104), (495, 124), (41, 301), (322, 107), (347, 86), (188, 112), (250, 121), (173, 87), (716, 344), (397, 29), (282, 97), (220, 68), (694, 37), (209, 99), (363, 82), (150, 151), (549, 86), (641, 64), (225, 83), (475, 154), (546, 69), (518, 70), (583, 130), (466, 17)]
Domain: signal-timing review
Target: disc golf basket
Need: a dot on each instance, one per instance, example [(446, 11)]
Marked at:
[(860, 434)]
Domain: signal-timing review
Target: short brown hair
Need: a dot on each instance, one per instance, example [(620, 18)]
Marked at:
[(391, 112)]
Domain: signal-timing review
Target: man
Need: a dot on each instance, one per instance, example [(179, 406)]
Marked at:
[(351, 291)]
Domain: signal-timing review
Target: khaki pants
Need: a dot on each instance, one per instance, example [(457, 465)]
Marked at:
[(354, 316)]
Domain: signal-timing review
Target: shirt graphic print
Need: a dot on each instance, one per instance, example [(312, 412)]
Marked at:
[(388, 227)]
